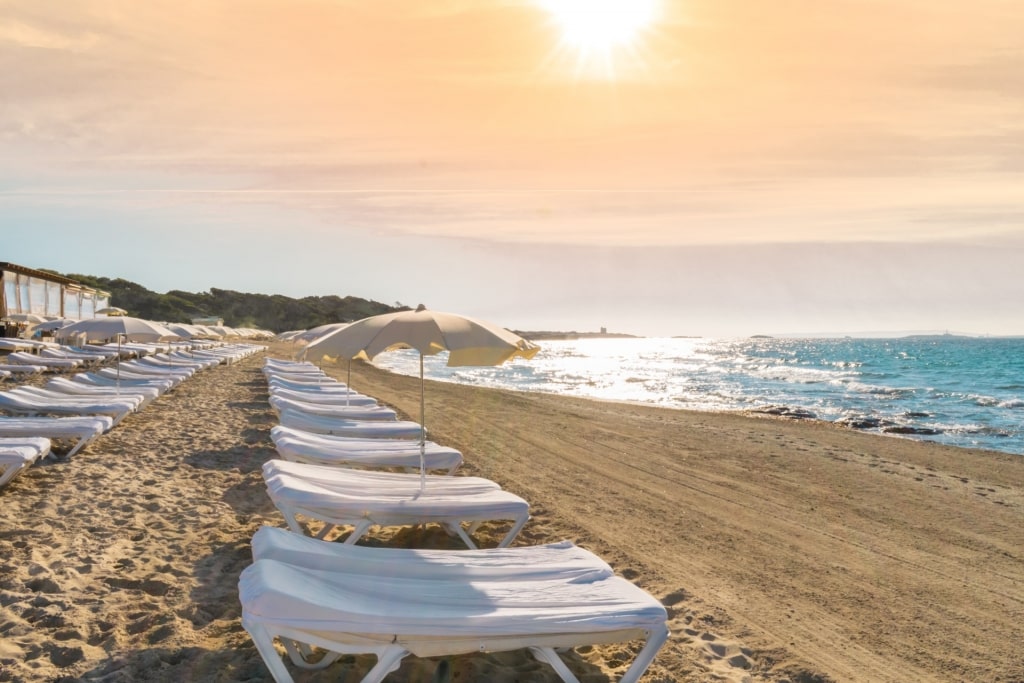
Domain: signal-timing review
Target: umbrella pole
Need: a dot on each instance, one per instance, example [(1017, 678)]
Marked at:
[(423, 433), (348, 383)]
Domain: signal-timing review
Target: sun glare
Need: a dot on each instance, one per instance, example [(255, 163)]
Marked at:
[(596, 30)]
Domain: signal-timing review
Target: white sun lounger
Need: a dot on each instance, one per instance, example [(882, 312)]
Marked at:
[(18, 453), (548, 561), (80, 389), (330, 386), (346, 612), (79, 431), (52, 364), (330, 398), (364, 499), (162, 384), (352, 412), (371, 429), (16, 403), (18, 369), (299, 445), (64, 354), (128, 373), (46, 394)]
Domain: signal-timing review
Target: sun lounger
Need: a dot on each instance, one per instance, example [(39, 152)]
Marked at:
[(104, 352), (301, 377), (108, 349), (79, 430), (372, 429), (328, 387), (46, 394), (161, 364), (127, 373), (18, 369), (351, 412), (320, 449), (79, 389), (64, 354), (161, 384), (551, 560), (347, 612), (51, 364), (364, 499), (340, 398), (18, 453), (27, 404)]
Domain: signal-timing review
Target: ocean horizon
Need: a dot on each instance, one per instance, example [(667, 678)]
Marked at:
[(958, 390)]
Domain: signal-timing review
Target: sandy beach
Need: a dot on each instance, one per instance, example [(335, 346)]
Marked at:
[(785, 550)]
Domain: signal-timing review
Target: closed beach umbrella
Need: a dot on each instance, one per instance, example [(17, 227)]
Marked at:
[(468, 342)]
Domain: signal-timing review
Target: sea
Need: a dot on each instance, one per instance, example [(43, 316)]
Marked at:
[(956, 390)]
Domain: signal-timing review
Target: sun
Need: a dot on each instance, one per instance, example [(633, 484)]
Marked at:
[(597, 30)]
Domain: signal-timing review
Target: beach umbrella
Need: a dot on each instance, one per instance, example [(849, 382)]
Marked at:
[(468, 342), (25, 318), (315, 333), (117, 328), (50, 325), (121, 327), (112, 310)]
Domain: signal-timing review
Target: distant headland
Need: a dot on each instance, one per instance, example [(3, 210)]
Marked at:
[(541, 335)]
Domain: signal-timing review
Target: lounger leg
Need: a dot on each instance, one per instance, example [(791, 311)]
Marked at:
[(79, 445), (655, 639), (546, 654), (514, 531), (457, 528), (264, 642), (358, 532), (387, 661), (302, 655)]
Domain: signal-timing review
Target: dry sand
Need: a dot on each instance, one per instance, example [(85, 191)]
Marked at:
[(785, 551)]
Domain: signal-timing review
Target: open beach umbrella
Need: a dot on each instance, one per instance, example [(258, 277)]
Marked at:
[(112, 310), (117, 328), (468, 342), (31, 318)]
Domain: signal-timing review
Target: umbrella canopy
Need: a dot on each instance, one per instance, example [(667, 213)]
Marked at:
[(468, 341), (315, 333), (117, 327), (53, 325), (25, 318), (112, 310)]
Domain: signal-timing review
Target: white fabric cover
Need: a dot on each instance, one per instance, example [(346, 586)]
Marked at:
[(18, 453), (323, 424), (26, 404), (344, 398), (80, 429), (351, 412), (362, 499), (553, 560), (299, 445)]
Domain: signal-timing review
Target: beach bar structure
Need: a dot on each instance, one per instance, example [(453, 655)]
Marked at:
[(30, 291)]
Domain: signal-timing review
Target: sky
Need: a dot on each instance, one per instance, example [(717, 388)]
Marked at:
[(727, 168)]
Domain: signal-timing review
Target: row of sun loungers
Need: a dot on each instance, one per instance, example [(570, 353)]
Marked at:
[(321, 600), (76, 409)]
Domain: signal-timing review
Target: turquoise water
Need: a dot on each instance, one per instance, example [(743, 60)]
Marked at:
[(961, 391)]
